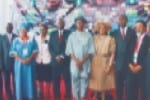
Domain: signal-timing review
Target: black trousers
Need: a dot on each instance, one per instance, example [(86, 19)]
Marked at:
[(7, 79), (120, 82), (134, 82), (1, 86), (57, 73)]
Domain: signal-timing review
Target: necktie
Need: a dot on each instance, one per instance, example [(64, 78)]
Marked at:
[(123, 33), (60, 36)]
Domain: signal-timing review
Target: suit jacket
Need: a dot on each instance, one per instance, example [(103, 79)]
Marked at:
[(1, 54), (58, 48), (8, 61), (121, 47), (147, 71), (141, 60)]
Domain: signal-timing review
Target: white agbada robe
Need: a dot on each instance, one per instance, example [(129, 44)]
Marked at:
[(80, 44)]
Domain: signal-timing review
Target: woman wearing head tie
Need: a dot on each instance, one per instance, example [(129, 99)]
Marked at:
[(24, 50)]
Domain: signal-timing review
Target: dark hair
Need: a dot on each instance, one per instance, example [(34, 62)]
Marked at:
[(9, 23), (44, 25), (123, 15), (81, 18), (142, 22)]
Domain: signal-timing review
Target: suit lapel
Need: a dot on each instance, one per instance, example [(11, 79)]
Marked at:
[(120, 36), (13, 37), (57, 36), (142, 45), (6, 39), (127, 32)]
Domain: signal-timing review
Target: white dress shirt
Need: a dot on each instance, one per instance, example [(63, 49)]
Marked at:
[(124, 30), (9, 35), (139, 40), (44, 56)]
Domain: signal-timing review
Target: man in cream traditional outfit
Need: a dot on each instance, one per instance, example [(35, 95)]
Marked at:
[(80, 48)]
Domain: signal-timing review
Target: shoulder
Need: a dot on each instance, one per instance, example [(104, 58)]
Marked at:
[(37, 36), (67, 32), (111, 38), (3, 37), (32, 40), (130, 29), (72, 36), (53, 33), (115, 32), (147, 37), (16, 40), (14, 35), (88, 35)]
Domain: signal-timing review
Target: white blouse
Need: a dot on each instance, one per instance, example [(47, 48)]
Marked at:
[(44, 56)]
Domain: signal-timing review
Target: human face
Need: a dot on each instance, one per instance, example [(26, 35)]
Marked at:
[(102, 29), (43, 30), (23, 32), (80, 25), (9, 28), (140, 28), (122, 21), (60, 24)]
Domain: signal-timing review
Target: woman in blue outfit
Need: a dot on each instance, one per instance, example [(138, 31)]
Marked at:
[(24, 50)]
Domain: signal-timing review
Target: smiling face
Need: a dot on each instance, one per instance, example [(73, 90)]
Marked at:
[(122, 21), (43, 29), (23, 32), (102, 29), (80, 24), (60, 23), (140, 27)]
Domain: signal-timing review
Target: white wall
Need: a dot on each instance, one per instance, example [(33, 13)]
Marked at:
[(5, 13)]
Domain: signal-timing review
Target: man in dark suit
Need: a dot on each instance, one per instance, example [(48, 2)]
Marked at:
[(122, 36), (147, 68), (137, 54), (60, 62), (8, 61), (1, 70)]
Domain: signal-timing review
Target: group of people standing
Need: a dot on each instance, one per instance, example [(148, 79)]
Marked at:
[(101, 60)]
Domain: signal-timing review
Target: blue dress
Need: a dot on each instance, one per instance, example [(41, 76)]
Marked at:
[(24, 73)]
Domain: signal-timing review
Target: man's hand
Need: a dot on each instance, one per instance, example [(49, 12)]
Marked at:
[(79, 64), (59, 59), (131, 67), (135, 68)]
